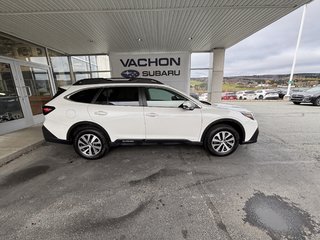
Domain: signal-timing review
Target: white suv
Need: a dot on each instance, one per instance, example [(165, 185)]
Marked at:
[(96, 114)]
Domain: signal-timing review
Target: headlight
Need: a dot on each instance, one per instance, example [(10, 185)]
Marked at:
[(248, 115)]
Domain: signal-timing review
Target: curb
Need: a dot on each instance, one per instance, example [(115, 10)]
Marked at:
[(12, 156)]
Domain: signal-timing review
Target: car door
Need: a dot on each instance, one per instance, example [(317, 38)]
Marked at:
[(120, 111), (166, 120)]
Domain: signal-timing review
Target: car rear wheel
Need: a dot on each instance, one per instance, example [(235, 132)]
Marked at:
[(296, 103), (317, 102), (90, 144), (222, 140)]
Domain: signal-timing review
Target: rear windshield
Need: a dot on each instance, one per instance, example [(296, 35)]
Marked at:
[(60, 91)]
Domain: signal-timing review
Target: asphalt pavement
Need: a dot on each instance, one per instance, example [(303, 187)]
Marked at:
[(267, 190)]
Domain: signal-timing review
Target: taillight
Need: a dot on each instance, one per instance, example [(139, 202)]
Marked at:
[(47, 109)]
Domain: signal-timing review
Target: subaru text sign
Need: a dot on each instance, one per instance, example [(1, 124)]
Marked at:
[(169, 68)]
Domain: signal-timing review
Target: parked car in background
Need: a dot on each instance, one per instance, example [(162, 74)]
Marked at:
[(282, 92), (266, 94), (228, 96), (272, 94), (194, 95), (203, 97), (311, 95), (246, 95)]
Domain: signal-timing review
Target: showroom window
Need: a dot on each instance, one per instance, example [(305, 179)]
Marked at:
[(201, 68), (90, 66), (60, 68), (16, 48)]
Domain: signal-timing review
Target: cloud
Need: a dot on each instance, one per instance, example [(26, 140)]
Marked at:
[(271, 50)]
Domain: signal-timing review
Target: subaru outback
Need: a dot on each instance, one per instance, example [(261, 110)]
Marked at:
[(97, 114)]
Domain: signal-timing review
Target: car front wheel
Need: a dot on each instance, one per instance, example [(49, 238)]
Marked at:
[(90, 144), (317, 102), (222, 140)]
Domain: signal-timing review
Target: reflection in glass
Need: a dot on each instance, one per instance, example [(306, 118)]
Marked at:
[(80, 63), (91, 66), (80, 76), (101, 75), (16, 48), (10, 108), (60, 67), (37, 87)]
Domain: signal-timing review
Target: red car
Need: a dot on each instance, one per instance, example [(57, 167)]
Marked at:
[(229, 96)]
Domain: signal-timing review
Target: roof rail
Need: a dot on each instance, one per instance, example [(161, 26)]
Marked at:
[(115, 80)]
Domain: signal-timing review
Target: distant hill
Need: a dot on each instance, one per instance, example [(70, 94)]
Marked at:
[(279, 79), (237, 83)]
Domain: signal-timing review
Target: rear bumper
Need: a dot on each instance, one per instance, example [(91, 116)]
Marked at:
[(254, 137), (50, 137)]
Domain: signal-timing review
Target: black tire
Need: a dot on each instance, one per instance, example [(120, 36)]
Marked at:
[(240, 98), (213, 135), (260, 97), (296, 103), (317, 102), (90, 144)]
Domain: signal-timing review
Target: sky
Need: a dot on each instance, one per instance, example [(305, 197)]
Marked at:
[(271, 50)]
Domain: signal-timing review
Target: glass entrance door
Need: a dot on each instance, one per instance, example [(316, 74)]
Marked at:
[(38, 87), (13, 110), (24, 89)]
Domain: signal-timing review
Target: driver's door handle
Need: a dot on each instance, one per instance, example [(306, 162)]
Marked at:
[(152, 114)]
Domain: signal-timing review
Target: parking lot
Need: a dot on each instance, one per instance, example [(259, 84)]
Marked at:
[(267, 190)]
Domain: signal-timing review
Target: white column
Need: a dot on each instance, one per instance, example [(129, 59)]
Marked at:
[(215, 87)]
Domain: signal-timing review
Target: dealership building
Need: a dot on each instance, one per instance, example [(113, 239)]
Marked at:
[(46, 44)]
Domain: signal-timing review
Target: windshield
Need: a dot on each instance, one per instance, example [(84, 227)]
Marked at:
[(315, 89)]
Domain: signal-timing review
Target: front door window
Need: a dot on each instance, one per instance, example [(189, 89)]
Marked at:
[(157, 97)]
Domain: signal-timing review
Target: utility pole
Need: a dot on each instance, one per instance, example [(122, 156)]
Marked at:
[(287, 96)]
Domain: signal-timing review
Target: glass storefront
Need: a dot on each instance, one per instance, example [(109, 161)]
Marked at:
[(200, 72), (18, 49), (30, 74), (10, 107), (91, 66), (60, 68)]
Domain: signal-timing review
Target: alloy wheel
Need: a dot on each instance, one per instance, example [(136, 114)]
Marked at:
[(89, 145), (223, 142)]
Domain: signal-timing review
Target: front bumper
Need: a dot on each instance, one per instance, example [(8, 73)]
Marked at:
[(254, 137), (302, 99)]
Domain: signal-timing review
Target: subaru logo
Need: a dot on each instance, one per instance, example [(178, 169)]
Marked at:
[(130, 74)]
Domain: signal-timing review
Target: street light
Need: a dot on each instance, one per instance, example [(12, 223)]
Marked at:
[(287, 96)]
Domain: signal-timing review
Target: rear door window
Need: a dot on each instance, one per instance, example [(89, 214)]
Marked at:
[(119, 96)]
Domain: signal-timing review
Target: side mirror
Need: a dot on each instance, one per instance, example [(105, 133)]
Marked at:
[(187, 105)]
